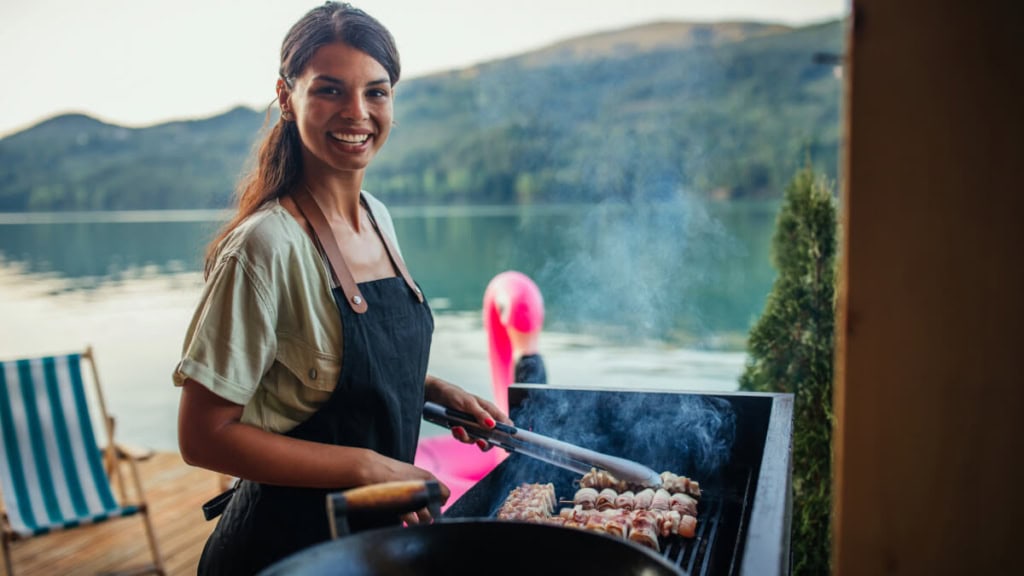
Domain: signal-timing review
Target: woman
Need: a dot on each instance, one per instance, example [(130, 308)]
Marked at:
[(304, 368)]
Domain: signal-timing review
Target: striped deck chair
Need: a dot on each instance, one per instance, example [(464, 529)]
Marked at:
[(54, 476)]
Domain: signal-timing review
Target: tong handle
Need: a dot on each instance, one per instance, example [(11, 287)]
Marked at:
[(557, 452), (449, 418)]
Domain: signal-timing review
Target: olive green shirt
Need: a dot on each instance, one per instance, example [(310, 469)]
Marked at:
[(267, 332)]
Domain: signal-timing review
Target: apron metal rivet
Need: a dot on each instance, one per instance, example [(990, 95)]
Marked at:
[(357, 299), (417, 290), (312, 373)]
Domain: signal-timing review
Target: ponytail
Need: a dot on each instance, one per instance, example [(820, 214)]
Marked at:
[(277, 170)]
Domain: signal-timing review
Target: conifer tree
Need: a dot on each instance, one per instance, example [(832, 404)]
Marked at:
[(791, 350)]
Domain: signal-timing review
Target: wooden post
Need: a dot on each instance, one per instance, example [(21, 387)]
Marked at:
[(929, 393)]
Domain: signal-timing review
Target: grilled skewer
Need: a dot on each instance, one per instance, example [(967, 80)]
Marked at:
[(672, 483), (639, 517)]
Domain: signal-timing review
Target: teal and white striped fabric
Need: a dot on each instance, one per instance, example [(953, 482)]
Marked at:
[(52, 476)]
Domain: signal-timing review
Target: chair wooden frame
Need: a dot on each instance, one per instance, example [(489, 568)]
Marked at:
[(114, 456)]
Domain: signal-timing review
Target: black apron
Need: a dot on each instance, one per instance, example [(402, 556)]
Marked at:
[(376, 404)]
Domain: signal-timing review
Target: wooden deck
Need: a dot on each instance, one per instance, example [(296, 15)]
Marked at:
[(175, 492)]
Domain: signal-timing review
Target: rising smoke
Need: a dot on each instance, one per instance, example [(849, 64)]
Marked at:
[(637, 269), (688, 434)]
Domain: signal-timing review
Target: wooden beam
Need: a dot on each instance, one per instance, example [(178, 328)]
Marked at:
[(929, 393)]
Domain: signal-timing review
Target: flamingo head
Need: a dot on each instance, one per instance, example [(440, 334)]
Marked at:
[(513, 318)]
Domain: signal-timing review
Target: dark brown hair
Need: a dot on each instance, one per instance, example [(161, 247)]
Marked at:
[(278, 160)]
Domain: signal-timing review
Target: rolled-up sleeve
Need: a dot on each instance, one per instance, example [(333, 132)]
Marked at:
[(231, 342)]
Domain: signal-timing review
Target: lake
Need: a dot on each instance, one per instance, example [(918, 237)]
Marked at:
[(647, 296)]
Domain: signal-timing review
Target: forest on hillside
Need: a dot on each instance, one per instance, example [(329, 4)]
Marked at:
[(723, 119)]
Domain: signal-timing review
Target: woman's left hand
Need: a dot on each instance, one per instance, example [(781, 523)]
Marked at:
[(450, 395)]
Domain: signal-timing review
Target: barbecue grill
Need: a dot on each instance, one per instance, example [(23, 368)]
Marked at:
[(738, 446)]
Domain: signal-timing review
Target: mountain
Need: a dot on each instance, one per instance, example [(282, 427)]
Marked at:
[(724, 109), (628, 42), (74, 162)]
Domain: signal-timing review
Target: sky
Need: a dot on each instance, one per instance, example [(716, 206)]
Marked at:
[(143, 62)]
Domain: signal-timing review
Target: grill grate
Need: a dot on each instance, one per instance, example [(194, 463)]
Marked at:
[(691, 554), (726, 515), (711, 551), (720, 525)]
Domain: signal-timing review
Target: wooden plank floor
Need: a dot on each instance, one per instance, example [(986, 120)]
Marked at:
[(175, 492)]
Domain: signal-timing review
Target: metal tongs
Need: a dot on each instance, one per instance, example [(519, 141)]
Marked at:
[(556, 452)]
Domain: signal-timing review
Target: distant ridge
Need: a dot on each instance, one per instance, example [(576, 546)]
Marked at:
[(77, 121), (726, 110), (72, 120), (628, 41), (67, 123), (667, 35)]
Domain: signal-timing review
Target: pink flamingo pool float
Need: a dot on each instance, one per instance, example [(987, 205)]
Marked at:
[(513, 316)]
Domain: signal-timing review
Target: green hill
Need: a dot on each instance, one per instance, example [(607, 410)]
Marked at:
[(725, 109)]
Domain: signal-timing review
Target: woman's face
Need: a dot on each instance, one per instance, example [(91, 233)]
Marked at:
[(342, 105)]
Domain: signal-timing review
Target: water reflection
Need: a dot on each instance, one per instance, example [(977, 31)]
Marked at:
[(677, 271), (90, 254)]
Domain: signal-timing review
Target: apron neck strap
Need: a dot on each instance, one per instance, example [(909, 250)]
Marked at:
[(396, 258), (325, 240)]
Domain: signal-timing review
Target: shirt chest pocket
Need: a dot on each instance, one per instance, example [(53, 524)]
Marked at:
[(315, 369)]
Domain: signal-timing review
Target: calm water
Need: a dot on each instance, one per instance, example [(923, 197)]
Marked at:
[(648, 296)]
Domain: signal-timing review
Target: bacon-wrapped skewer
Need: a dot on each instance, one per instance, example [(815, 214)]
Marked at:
[(580, 514), (618, 526), (596, 523), (586, 497), (567, 513), (606, 499), (648, 499), (601, 479), (614, 522), (624, 501), (673, 483), (668, 523), (661, 500), (528, 502), (684, 504), (643, 530), (653, 514), (676, 484), (643, 499), (687, 526), (542, 495), (525, 514), (621, 522), (589, 498)]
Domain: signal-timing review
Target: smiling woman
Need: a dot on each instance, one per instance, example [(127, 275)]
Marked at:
[(342, 106), (304, 369)]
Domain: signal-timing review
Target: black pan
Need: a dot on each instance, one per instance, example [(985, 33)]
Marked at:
[(470, 547)]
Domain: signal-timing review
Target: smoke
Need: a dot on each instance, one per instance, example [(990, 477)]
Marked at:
[(638, 269), (642, 249), (687, 434)]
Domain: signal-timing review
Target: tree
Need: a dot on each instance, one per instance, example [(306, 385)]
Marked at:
[(791, 350)]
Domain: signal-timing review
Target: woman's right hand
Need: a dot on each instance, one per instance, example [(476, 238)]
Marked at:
[(421, 516), (384, 469)]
